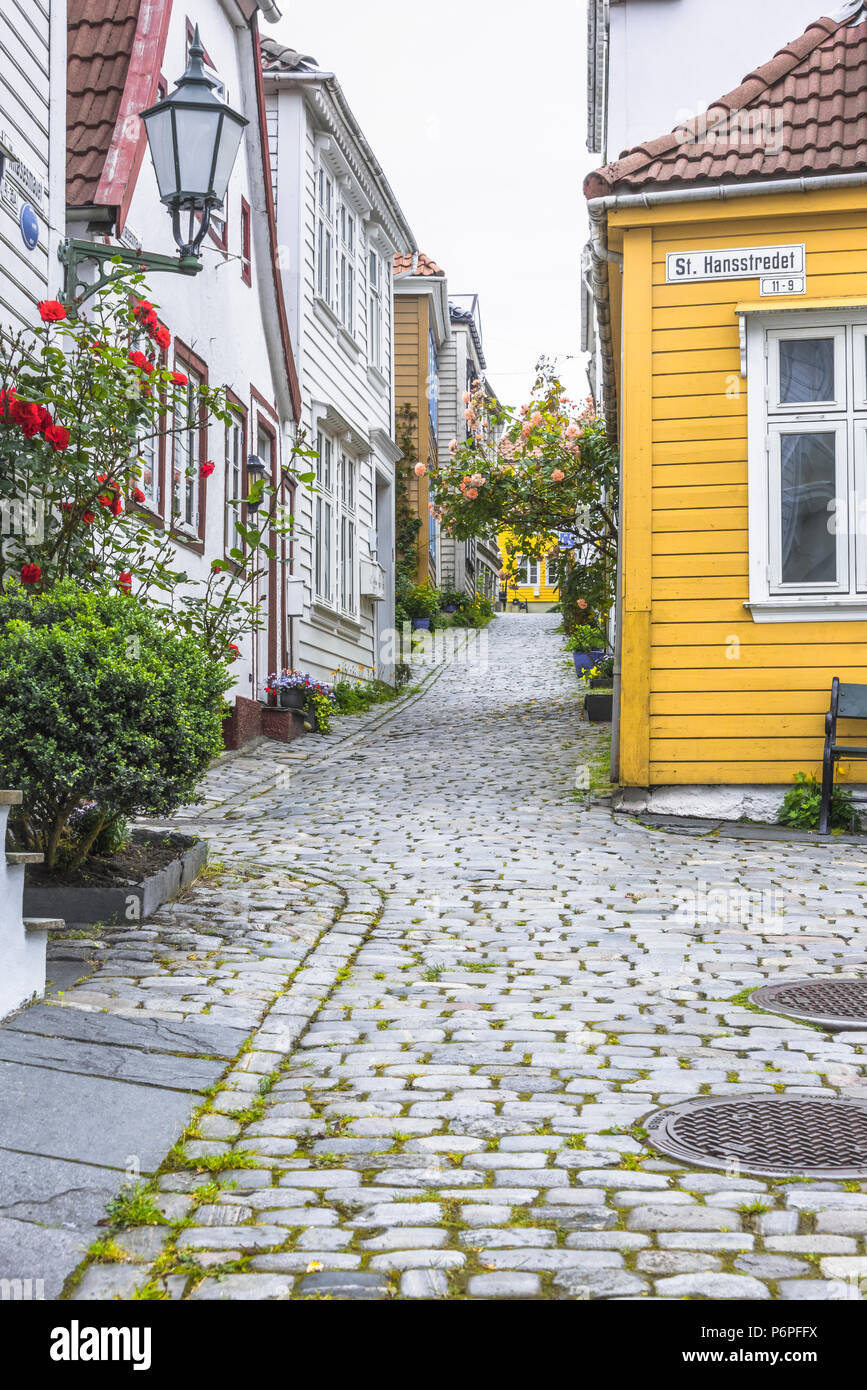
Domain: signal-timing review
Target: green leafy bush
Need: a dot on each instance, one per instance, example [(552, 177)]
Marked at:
[(584, 639), (99, 703), (423, 601), (802, 804)]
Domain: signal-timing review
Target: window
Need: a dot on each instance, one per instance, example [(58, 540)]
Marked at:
[(324, 519), (187, 453), (246, 253), (325, 239), (432, 542), (236, 434), (432, 379), (528, 573), (552, 571), (374, 312), (347, 268), (149, 478), (807, 383), (336, 526), (346, 498)]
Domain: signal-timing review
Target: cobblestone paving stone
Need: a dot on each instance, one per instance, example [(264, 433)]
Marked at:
[(466, 985)]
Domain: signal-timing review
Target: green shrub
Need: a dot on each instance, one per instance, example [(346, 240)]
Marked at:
[(423, 601), (802, 804), (583, 638), (99, 703)]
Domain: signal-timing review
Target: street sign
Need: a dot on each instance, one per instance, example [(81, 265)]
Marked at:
[(737, 263)]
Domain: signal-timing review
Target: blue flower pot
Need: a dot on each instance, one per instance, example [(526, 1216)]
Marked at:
[(421, 622), (598, 654), (583, 662)]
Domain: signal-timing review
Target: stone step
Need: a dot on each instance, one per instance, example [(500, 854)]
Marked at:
[(24, 857), (43, 924), (9, 798)]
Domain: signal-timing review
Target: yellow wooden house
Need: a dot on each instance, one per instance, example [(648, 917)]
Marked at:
[(730, 278), (421, 328), (528, 580)]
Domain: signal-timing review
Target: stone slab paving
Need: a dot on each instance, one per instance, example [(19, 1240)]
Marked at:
[(463, 986)]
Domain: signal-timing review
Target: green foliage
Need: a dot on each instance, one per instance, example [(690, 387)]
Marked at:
[(99, 703), (584, 639), (74, 484), (135, 1205), (355, 697), (802, 805), (322, 709), (406, 524), (422, 601), (112, 835)]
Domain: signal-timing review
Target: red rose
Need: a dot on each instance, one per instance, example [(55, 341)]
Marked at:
[(235, 650), (67, 506), (138, 495), (179, 379), (51, 310), (116, 507), (30, 574), (206, 469), (124, 581), (58, 437), (26, 415), (162, 337), (88, 517), (139, 360), (105, 500), (45, 420), (6, 400)]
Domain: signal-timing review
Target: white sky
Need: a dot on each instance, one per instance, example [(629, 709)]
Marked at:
[(476, 112)]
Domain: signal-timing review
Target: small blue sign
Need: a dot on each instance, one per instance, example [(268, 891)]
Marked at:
[(29, 224), (566, 538)]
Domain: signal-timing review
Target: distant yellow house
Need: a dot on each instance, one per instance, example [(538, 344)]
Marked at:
[(730, 280), (528, 580)]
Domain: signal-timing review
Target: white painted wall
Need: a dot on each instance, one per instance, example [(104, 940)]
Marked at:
[(22, 953), (339, 384), (215, 313), (32, 63), (670, 59)]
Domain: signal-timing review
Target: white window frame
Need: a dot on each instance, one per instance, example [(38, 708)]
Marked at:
[(236, 431), (375, 314), (347, 528), (526, 571), (149, 457), (767, 419), (186, 457), (323, 514), (326, 236), (348, 230)]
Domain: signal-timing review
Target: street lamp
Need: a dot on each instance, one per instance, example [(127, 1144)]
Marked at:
[(255, 474), (194, 139)]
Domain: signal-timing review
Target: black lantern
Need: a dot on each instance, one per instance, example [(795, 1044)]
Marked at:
[(255, 474), (194, 139)]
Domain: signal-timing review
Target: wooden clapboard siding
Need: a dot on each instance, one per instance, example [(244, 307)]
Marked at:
[(709, 695), (411, 328)]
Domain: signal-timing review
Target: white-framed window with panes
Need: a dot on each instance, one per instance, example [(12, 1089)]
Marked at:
[(326, 236), (807, 476), (149, 472), (348, 228), (187, 454), (528, 573), (335, 560), (236, 433), (375, 316)]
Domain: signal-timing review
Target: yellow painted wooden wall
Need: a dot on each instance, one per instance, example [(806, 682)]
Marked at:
[(691, 711), (411, 328)]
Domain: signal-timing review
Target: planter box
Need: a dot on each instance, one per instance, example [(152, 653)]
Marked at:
[(283, 725), (598, 708), (421, 623), (601, 683), (126, 904), (243, 724)]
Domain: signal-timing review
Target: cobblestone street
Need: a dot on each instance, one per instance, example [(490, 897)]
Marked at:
[(463, 986)]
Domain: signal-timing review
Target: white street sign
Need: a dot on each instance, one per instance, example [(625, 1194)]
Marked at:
[(737, 263)]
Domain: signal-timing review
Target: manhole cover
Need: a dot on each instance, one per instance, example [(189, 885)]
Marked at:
[(769, 1136), (834, 1003)]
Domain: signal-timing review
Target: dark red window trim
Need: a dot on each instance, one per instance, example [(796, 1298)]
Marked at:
[(246, 254), (245, 426)]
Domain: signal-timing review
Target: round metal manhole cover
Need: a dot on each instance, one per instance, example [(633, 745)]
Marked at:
[(834, 1003), (768, 1136)]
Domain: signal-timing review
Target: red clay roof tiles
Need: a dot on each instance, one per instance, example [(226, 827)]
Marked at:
[(804, 113), (416, 263), (100, 37)]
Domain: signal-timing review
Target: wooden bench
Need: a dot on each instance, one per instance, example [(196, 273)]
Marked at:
[(847, 702)]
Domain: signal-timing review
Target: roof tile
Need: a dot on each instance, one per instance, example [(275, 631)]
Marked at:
[(416, 263), (100, 40), (803, 114)]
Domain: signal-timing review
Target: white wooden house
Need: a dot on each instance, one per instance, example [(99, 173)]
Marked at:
[(228, 323), (469, 566), (32, 154), (339, 225)]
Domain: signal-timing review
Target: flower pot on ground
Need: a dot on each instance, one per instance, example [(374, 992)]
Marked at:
[(600, 683), (292, 699), (421, 623), (598, 654), (598, 708), (583, 662)]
